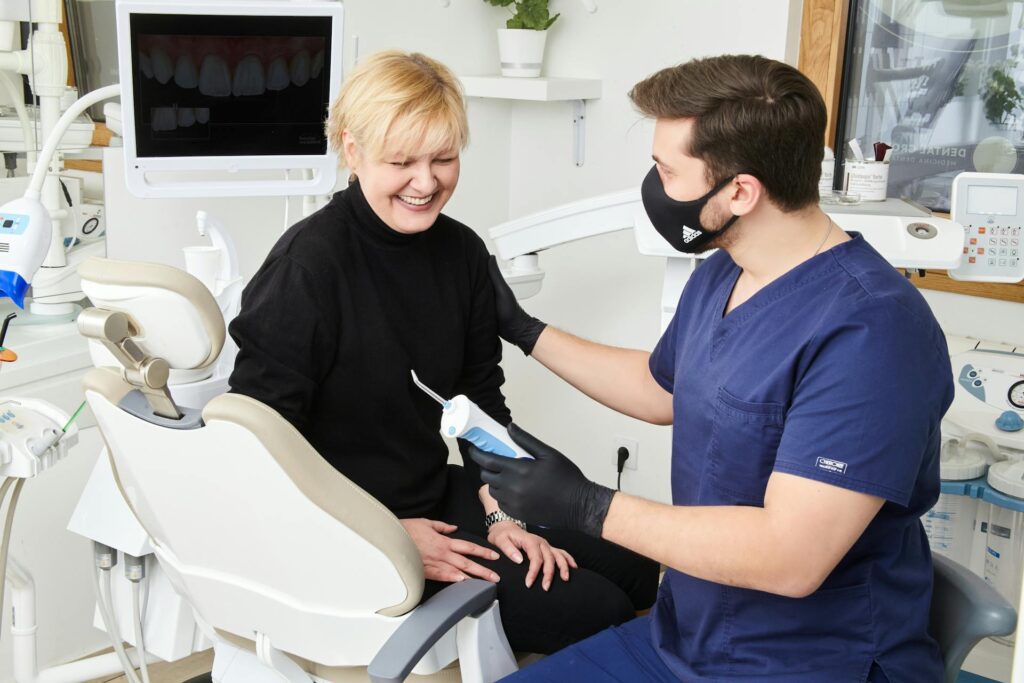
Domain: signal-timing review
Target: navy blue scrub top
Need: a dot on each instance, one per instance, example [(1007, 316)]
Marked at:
[(837, 371)]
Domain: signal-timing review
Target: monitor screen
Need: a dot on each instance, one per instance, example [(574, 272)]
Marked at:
[(991, 200), (230, 85)]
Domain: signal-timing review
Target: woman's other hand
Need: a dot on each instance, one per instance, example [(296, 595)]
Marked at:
[(445, 558), (511, 538)]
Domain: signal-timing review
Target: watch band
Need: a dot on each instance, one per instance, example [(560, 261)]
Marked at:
[(500, 516)]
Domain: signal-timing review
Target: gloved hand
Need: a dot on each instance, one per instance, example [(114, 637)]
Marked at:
[(549, 490), (515, 325)]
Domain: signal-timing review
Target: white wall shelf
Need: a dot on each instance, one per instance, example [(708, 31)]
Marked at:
[(534, 89), (576, 91)]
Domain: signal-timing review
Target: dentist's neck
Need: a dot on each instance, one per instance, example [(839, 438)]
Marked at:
[(768, 242)]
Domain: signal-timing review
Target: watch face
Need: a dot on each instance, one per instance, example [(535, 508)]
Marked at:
[(1016, 395)]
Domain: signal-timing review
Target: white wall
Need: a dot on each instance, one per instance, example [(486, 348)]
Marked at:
[(971, 316)]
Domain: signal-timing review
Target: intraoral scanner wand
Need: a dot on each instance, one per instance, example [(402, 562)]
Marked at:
[(463, 419)]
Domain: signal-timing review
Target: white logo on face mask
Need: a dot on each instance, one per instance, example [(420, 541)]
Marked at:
[(689, 234)]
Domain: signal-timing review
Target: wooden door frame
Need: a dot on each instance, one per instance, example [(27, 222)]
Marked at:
[(823, 31)]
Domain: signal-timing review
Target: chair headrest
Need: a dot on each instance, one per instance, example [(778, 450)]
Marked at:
[(175, 315)]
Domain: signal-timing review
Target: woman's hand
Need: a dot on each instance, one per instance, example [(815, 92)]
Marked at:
[(512, 538), (444, 558)]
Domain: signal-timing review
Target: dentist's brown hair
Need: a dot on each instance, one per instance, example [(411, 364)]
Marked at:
[(751, 115)]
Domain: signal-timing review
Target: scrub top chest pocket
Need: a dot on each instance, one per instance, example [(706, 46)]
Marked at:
[(741, 454)]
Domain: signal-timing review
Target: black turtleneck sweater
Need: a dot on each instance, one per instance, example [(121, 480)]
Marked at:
[(337, 315)]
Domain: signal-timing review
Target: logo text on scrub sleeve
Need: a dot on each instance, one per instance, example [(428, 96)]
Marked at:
[(830, 465)]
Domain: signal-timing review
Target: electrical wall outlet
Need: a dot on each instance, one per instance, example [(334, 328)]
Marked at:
[(634, 452)]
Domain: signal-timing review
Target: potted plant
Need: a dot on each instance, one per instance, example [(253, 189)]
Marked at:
[(521, 42), (1001, 97)]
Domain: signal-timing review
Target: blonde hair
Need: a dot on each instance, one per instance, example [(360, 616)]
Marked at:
[(398, 101)]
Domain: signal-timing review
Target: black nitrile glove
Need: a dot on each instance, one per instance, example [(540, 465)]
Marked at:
[(548, 491), (515, 325)]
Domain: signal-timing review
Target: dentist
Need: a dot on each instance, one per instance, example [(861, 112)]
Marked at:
[(805, 380)]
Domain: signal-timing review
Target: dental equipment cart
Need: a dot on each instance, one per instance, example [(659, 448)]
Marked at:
[(979, 519)]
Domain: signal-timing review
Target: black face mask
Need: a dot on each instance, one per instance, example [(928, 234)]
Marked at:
[(679, 222)]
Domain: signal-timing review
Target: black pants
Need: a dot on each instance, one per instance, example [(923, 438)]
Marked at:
[(611, 584)]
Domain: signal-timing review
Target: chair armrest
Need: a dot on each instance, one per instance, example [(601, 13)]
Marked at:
[(426, 624)]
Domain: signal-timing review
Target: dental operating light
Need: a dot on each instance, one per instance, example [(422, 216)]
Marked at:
[(25, 224)]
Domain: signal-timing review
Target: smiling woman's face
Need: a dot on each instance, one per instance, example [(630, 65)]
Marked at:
[(407, 190)]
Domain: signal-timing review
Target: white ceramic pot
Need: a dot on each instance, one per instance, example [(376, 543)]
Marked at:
[(521, 51)]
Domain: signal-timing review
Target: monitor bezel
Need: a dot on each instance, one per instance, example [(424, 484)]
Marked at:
[(143, 174)]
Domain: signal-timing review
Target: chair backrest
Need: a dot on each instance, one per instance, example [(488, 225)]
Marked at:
[(257, 531), (964, 610)]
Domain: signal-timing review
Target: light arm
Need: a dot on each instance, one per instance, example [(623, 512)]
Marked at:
[(35, 185)]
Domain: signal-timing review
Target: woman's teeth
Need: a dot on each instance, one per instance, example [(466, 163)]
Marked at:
[(416, 201)]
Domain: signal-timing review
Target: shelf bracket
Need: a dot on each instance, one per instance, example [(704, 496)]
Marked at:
[(579, 114)]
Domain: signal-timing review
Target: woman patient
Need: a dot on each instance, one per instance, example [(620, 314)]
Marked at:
[(377, 283)]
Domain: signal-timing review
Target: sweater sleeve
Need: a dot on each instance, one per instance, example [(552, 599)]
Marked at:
[(285, 340), (482, 375)]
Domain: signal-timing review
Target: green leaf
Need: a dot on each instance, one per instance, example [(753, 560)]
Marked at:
[(551, 21), (515, 22), (499, 3)]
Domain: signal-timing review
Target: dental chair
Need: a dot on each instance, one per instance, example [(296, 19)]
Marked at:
[(291, 569)]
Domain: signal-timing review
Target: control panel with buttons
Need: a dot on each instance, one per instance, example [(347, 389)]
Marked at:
[(990, 207), (13, 224)]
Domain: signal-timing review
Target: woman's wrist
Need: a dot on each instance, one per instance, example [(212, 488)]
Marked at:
[(498, 516)]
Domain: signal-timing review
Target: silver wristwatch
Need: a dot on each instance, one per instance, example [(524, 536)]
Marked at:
[(499, 516)]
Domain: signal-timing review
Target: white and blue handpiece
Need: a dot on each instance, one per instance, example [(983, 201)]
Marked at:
[(463, 419)]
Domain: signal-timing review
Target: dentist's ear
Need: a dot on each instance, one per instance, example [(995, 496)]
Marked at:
[(745, 192)]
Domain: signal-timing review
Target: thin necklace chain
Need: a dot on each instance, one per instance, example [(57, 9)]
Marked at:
[(827, 233)]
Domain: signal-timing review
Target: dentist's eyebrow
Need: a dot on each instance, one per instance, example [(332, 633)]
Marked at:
[(660, 162)]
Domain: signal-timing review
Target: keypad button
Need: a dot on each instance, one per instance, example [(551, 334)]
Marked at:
[(1002, 262), (972, 259), (981, 251), (981, 229)]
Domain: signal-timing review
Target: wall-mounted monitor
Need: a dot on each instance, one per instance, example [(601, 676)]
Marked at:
[(223, 97)]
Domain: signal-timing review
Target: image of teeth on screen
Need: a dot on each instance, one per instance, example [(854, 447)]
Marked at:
[(200, 92)]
